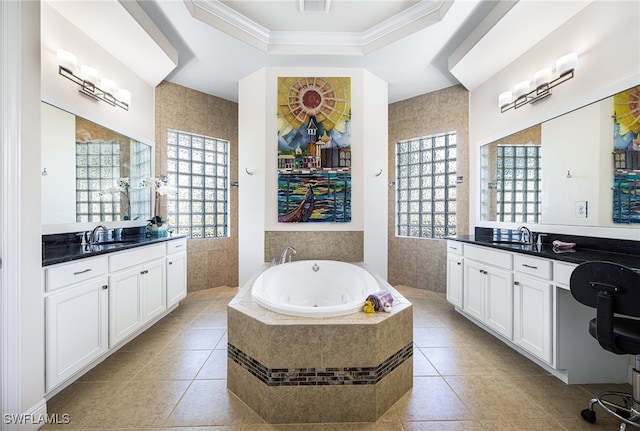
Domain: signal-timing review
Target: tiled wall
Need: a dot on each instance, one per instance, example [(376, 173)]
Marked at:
[(421, 263), (211, 262), (345, 246)]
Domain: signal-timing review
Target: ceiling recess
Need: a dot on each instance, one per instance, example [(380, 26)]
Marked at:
[(314, 5)]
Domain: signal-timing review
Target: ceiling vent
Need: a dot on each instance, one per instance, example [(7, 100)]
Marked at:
[(314, 5)]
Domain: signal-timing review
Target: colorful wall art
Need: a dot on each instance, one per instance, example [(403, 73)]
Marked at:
[(314, 149), (626, 156)]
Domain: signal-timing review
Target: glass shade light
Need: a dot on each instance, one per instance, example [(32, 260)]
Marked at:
[(521, 89), (89, 74), (108, 86), (566, 63), (542, 78), (66, 60), (504, 99), (124, 96)]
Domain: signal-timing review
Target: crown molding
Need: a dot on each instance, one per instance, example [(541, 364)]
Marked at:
[(222, 17)]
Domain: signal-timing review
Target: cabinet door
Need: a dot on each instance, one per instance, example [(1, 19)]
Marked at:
[(124, 304), (176, 278), (76, 331), (455, 274), (154, 293), (499, 300), (473, 292), (532, 315)]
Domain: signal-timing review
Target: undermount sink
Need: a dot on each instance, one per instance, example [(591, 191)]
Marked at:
[(506, 242)]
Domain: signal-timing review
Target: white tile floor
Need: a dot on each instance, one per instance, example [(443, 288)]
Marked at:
[(173, 377)]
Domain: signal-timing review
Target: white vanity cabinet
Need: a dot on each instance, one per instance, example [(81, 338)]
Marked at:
[(176, 271), (76, 301), (455, 273), (526, 301), (532, 306), (488, 288), (137, 290), (94, 305)]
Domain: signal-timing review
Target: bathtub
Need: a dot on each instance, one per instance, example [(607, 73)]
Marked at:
[(314, 288)]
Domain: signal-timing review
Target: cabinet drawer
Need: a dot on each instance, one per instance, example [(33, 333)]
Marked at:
[(176, 245), (489, 256), (533, 266), (562, 273), (65, 274), (454, 247), (125, 259)]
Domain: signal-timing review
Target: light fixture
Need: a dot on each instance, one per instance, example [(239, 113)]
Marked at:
[(543, 82), (89, 82)]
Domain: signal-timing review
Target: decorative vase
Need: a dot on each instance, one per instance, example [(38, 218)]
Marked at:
[(158, 231)]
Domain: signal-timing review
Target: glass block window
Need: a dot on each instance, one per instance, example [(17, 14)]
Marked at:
[(518, 183), (198, 168), (426, 186), (140, 168), (97, 170)]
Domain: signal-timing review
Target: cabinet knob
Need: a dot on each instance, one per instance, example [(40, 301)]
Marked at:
[(459, 263), (516, 283), (170, 263), (105, 287)]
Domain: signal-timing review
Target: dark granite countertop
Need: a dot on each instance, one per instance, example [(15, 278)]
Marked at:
[(53, 253), (577, 255)]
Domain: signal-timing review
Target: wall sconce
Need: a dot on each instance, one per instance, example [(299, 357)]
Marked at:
[(89, 82), (543, 82)]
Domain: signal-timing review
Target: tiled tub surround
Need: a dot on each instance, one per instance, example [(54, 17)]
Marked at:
[(291, 369), (344, 246)]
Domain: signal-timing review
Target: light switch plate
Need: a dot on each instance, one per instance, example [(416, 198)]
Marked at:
[(581, 209)]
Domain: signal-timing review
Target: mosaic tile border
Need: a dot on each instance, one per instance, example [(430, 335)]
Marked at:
[(319, 376)]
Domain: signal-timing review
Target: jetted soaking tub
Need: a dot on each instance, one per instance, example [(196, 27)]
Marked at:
[(314, 288)]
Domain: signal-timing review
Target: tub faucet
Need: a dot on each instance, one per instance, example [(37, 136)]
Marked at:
[(287, 249), (525, 235), (91, 237)]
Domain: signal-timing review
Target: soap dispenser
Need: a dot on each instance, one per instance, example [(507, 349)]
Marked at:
[(539, 242)]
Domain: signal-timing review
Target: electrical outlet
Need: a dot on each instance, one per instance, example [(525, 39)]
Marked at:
[(581, 209)]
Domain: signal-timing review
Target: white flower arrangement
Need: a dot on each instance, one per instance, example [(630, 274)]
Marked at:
[(161, 187)]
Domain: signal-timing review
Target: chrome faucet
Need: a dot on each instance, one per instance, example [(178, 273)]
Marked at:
[(287, 249), (526, 237), (91, 237)]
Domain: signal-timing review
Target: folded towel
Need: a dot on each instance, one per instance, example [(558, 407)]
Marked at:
[(380, 299), (559, 245)]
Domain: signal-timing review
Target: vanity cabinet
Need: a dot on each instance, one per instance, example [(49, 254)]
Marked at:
[(455, 273), (532, 304), (176, 271), (137, 290), (488, 288), (526, 301), (76, 316), (95, 304)]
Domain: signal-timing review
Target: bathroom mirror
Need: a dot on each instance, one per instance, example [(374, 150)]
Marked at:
[(558, 172), (91, 173)]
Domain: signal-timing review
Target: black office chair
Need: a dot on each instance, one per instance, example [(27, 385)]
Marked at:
[(614, 291)]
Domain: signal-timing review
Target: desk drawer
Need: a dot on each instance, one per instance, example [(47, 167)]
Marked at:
[(533, 266), (562, 273)]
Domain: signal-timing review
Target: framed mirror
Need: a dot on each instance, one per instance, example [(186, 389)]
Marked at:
[(90, 173), (560, 172)]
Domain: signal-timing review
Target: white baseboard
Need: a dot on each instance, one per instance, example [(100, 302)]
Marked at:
[(30, 420)]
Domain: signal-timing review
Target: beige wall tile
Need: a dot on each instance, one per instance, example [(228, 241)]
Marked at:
[(192, 111), (437, 112)]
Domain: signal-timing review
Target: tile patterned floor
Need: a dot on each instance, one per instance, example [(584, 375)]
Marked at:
[(173, 377)]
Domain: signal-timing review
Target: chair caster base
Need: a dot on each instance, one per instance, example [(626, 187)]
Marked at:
[(588, 415)]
